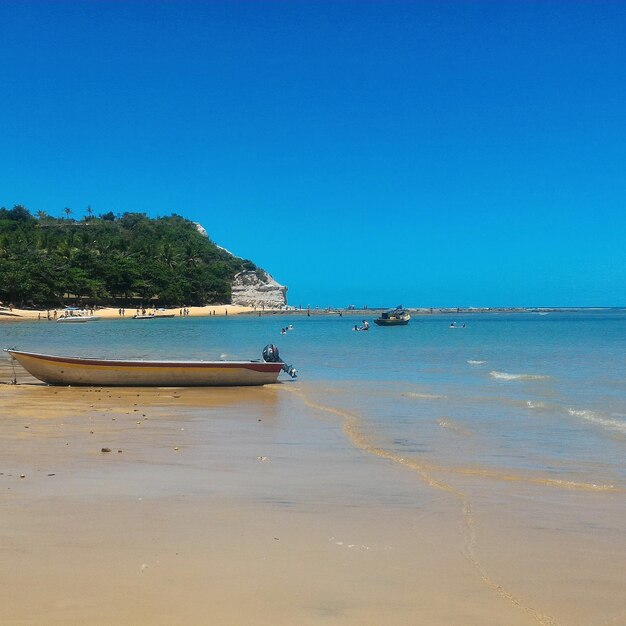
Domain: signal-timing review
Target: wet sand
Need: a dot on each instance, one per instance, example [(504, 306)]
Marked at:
[(256, 506)]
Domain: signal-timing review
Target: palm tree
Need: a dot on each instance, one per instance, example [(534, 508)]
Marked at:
[(169, 255), (42, 215), (89, 211), (192, 255), (67, 212)]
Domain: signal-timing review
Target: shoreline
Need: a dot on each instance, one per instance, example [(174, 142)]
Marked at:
[(425, 311), (223, 310)]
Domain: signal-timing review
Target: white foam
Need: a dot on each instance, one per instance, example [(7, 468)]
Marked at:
[(507, 376), (592, 416), (535, 405), (423, 396), (474, 362)]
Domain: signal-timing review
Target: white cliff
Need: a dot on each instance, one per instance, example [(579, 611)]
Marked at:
[(254, 288), (258, 289)]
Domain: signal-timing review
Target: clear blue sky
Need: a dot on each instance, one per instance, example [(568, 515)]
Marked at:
[(428, 153)]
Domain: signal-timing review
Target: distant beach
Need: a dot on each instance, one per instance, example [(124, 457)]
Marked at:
[(16, 314)]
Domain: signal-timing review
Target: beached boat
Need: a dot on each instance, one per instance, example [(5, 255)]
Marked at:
[(63, 370), (78, 318), (394, 317), (76, 315)]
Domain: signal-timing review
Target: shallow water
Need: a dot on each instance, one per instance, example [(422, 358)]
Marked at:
[(510, 396)]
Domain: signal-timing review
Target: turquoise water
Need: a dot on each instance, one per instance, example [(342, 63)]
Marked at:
[(540, 396)]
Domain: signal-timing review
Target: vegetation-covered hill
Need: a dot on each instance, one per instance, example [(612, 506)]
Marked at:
[(119, 260)]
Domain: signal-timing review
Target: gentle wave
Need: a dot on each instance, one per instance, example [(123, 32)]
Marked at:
[(535, 405), (591, 416), (352, 428), (423, 396), (507, 376), (474, 362)]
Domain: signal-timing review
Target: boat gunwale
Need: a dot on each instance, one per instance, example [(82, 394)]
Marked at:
[(262, 366)]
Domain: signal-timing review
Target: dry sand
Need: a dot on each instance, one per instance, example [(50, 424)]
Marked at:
[(245, 507), (113, 313)]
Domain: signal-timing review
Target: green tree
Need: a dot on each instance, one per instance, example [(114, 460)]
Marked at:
[(114, 260)]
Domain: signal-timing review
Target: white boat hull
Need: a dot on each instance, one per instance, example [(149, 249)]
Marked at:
[(78, 318), (58, 370)]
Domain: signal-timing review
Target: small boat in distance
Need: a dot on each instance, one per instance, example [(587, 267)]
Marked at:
[(63, 370), (153, 316), (394, 317)]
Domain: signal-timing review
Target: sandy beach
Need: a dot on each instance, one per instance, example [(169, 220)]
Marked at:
[(265, 506), (253, 526), (14, 314)]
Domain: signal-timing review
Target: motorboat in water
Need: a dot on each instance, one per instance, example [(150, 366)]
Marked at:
[(153, 316), (394, 317), (64, 370)]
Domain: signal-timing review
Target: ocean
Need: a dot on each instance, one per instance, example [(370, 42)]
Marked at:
[(538, 398)]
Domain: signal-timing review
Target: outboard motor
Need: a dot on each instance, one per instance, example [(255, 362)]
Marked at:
[(270, 355)]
